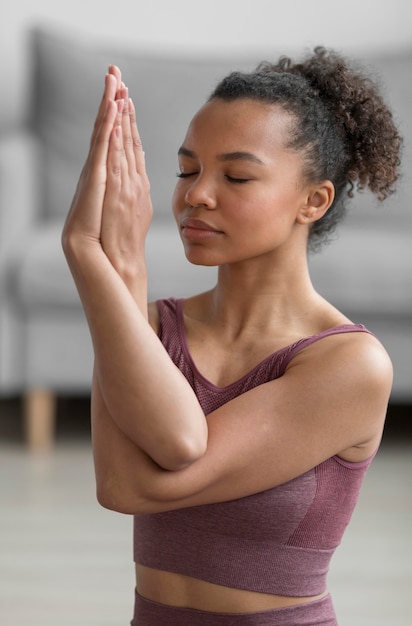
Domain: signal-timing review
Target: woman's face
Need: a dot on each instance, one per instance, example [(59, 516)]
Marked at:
[(240, 189)]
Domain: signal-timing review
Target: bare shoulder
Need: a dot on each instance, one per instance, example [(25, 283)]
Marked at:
[(194, 306), (356, 355), (373, 357), (355, 371)]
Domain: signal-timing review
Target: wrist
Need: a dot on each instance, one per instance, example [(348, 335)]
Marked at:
[(79, 248), (134, 276)]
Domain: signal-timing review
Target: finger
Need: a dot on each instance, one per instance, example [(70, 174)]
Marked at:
[(127, 135), (122, 91), (136, 141), (113, 82), (120, 86), (115, 161), (97, 160), (123, 120), (89, 196), (114, 70), (120, 139), (108, 95)]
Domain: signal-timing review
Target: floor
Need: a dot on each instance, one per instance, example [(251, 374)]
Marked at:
[(65, 561)]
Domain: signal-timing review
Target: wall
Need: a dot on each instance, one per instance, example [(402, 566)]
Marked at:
[(214, 25)]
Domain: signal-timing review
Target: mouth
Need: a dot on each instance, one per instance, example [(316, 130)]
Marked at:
[(198, 229), (198, 225)]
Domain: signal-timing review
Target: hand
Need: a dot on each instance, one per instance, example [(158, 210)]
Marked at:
[(127, 208), (111, 207), (83, 223)]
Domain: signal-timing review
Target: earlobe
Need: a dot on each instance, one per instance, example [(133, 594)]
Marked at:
[(318, 202)]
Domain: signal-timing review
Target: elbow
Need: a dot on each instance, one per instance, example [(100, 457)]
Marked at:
[(113, 500), (134, 505), (182, 454), (116, 493), (109, 500)]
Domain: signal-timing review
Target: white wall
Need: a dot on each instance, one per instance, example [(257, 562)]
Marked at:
[(354, 26)]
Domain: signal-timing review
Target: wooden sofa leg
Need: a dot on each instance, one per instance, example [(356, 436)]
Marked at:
[(39, 418)]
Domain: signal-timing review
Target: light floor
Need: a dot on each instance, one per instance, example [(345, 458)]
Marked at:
[(65, 561)]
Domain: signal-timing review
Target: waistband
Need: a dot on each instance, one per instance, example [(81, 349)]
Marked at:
[(316, 613)]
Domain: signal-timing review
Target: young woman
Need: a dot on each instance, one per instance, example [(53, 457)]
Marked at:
[(236, 425)]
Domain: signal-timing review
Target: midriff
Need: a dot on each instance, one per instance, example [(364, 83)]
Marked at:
[(186, 592)]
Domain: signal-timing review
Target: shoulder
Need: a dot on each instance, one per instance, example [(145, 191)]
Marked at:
[(158, 309), (193, 307), (350, 375), (351, 350), (352, 359)]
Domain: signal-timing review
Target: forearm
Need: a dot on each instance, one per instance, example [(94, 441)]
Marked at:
[(146, 395), (103, 239), (116, 458)]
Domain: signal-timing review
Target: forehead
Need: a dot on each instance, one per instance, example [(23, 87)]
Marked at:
[(243, 124)]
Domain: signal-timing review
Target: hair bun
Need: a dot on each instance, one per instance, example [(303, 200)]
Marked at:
[(362, 117)]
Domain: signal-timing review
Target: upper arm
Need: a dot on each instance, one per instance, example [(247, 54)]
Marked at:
[(333, 397)]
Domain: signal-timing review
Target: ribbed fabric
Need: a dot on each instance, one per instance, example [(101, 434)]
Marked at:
[(317, 613), (278, 541)]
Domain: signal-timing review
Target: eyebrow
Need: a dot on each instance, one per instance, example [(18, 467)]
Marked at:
[(229, 156)]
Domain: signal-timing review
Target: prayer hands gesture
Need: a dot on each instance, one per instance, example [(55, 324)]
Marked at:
[(111, 209)]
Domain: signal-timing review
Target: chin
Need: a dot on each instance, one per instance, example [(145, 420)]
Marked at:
[(198, 255)]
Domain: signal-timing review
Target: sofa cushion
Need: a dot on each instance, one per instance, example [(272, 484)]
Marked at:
[(41, 279), (366, 271)]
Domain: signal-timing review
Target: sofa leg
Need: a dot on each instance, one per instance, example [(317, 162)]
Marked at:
[(39, 418)]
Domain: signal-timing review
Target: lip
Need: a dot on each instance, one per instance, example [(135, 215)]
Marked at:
[(195, 224), (196, 231)]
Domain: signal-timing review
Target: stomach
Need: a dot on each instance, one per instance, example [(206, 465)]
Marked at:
[(186, 592)]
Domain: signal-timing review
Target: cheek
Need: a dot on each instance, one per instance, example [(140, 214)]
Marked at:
[(177, 198), (255, 210), (268, 216)]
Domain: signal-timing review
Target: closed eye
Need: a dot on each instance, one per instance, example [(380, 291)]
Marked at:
[(240, 181), (231, 179), (185, 174)]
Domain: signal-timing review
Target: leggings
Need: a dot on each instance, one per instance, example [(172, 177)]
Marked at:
[(316, 613)]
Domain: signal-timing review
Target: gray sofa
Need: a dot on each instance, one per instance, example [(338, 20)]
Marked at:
[(45, 349)]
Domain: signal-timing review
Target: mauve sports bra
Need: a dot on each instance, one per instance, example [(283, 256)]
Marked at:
[(278, 541)]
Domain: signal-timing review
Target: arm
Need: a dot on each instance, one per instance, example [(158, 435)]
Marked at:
[(331, 400), (103, 239)]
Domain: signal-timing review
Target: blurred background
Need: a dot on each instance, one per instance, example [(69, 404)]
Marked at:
[(215, 26), (63, 559)]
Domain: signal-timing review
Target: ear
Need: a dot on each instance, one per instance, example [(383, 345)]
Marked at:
[(318, 200)]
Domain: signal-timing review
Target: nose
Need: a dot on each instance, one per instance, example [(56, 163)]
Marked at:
[(201, 193)]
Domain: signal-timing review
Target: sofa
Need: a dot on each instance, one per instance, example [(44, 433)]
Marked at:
[(45, 350)]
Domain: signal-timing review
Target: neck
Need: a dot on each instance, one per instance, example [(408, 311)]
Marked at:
[(254, 296)]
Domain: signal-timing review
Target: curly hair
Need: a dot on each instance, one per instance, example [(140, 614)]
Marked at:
[(341, 125)]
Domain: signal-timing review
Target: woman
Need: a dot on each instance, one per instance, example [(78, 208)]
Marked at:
[(236, 425)]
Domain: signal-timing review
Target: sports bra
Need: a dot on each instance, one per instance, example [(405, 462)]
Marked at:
[(277, 541)]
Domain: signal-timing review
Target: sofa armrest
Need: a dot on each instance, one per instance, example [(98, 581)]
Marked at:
[(19, 204), (19, 190)]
